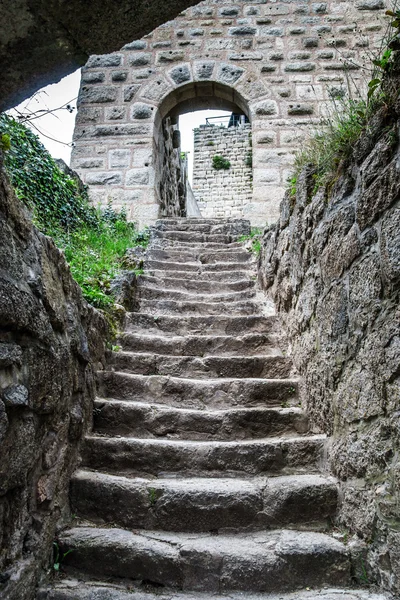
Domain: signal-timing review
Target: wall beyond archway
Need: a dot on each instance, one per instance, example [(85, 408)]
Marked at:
[(281, 63)]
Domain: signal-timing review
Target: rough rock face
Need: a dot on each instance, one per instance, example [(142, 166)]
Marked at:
[(49, 338), (171, 171), (43, 40), (332, 265)]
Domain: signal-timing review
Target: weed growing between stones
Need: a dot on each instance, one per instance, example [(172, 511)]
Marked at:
[(254, 240), (94, 240), (58, 558), (219, 162)]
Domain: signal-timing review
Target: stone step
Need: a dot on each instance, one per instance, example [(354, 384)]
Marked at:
[(196, 237), (74, 589), (197, 393), (201, 275), (198, 246), (197, 267), (143, 420), (262, 561), (202, 257), (233, 226), (165, 306), (200, 345), (158, 293), (272, 367), (202, 326), (195, 285), (204, 504), (155, 457)]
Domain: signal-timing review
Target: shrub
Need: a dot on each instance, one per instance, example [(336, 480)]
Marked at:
[(219, 162)]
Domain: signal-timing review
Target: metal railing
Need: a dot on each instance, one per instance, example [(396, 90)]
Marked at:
[(233, 120)]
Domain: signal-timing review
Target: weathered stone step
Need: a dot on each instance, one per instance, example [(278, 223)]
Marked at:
[(158, 293), (235, 309), (74, 589), (272, 367), (143, 420), (195, 285), (197, 393), (203, 504), (200, 275), (196, 237), (220, 325), (201, 258), (144, 457), (198, 246), (236, 227), (197, 267), (260, 562), (200, 345)]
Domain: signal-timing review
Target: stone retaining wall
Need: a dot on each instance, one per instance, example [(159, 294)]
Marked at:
[(51, 342), (332, 266), (222, 193)]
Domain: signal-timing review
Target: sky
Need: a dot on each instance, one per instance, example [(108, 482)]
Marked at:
[(56, 129)]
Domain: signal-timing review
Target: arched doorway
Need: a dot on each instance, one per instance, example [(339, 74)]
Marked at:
[(222, 169)]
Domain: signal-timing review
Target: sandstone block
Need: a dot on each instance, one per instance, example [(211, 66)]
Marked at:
[(115, 113), (229, 74), (137, 177), (130, 91), (180, 74), (98, 94), (203, 70), (141, 111), (136, 45), (104, 178), (140, 59), (242, 30), (105, 60), (119, 158), (93, 76)]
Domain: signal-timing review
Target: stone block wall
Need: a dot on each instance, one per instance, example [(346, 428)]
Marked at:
[(222, 193), (332, 266), (278, 62), (51, 342)]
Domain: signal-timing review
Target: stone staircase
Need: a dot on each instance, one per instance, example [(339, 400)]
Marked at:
[(200, 477)]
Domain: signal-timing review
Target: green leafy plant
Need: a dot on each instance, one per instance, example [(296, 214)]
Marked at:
[(54, 197), (364, 575), (5, 142), (219, 162), (333, 143), (57, 557), (95, 254), (293, 185), (152, 496), (255, 238), (94, 240), (210, 143)]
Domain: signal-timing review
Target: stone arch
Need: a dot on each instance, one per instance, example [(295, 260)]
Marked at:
[(284, 58), (231, 190)]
